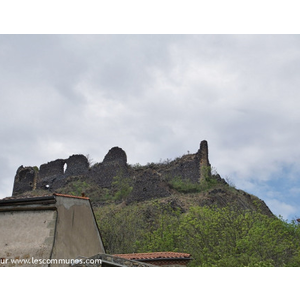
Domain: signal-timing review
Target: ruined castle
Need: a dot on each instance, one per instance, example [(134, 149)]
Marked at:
[(147, 182)]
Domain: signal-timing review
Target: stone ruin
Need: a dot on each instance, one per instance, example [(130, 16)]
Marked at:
[(148, 182), (49, 175)]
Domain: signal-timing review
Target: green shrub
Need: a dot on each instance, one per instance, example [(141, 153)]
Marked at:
[(123, 186), (187, 186), (184, 186), (77, 188), (219, 237), (227, 237)]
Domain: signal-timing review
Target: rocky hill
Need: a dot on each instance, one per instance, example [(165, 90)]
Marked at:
[(181, 205), (185, 181)]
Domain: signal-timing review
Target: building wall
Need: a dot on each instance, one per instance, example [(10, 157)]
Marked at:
[(53, 232), (26, 235), (77, 233)]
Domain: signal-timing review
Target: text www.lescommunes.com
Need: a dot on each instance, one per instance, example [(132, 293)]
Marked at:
[(47, 261)]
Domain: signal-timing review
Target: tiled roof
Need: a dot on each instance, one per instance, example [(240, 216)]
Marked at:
[(155, 255), (70, 196), (30, 197)]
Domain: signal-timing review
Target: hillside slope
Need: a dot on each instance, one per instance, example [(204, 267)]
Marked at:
[(177, 205)]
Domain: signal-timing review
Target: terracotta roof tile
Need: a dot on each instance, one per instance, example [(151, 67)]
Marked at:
[(154, 255), (71, 196)]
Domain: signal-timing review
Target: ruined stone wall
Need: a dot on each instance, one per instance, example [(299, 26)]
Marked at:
[(147, 182), (114, 164), (204, 164), (185, 168), (50, 172), (116, 155), (51, 175), (76, 165), (25, 180), (103, 174)]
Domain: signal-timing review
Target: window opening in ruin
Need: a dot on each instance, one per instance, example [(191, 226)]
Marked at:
[(65, 167)]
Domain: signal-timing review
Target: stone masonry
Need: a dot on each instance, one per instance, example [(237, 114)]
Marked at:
[(148, 182)]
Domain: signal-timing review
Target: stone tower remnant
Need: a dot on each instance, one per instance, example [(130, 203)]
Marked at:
[(204, 165), (116, 155), (25, 180)]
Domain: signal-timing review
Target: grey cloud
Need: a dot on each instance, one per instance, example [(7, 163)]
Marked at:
[(156, 96)]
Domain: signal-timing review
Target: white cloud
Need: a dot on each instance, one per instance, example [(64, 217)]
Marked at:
[(156, 96), (283, 209)]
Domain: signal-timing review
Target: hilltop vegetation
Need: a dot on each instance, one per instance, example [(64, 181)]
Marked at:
[(216, 223), (214, 236), (212, 190)]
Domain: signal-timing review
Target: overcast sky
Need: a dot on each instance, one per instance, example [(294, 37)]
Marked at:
[(157, 97)]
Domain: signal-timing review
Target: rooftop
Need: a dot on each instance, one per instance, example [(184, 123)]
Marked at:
[(36, 198), (155, 255)]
